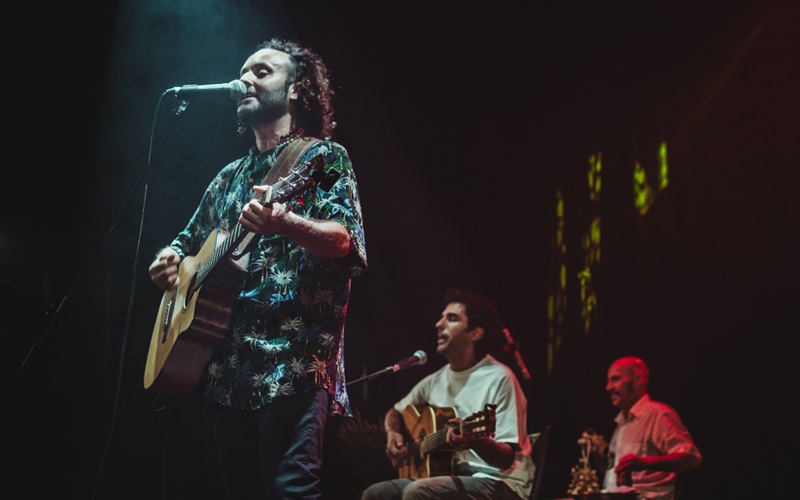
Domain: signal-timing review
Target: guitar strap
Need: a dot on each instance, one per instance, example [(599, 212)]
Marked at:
[(288, 158)]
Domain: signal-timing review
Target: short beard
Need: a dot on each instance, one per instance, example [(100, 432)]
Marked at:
[(271, 106)]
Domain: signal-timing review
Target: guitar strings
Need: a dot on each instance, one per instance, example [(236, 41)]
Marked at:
[(437, 438)]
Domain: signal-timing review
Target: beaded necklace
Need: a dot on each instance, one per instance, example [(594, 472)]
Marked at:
[(292, 135), (284, 140)]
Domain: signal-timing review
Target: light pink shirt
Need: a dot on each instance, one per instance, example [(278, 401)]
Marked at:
[(651, 428)]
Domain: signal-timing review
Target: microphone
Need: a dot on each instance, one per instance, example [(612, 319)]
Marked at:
[(512, 346), (235, 88), (419, 358)]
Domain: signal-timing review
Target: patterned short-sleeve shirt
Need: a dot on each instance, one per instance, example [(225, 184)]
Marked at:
[(287, 323)]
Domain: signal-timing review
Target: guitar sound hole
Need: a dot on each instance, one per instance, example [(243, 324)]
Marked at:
[(167, 318), (187, 298)]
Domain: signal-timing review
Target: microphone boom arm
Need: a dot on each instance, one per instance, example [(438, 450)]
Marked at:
[(419, 358), (372, 375), (526, 375)]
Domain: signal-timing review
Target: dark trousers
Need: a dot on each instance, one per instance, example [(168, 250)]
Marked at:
[(274, 452)]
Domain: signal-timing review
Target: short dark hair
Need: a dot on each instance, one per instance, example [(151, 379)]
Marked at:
[(481, 312), (315, 113)]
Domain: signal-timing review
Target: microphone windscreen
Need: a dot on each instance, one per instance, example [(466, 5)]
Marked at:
[(238, 89)]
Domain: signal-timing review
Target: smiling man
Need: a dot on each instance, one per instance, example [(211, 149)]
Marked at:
[(650, 444)]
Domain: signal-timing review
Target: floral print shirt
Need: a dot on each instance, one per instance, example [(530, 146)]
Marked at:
[(287, 323)]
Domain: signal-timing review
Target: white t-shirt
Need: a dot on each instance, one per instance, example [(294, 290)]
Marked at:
[(467, 392)]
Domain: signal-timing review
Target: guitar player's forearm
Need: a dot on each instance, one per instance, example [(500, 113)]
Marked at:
[(393, 421), (321, 238), (396, 449)]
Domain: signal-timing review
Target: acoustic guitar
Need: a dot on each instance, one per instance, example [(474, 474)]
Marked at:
[(193, 318), (428, 454)]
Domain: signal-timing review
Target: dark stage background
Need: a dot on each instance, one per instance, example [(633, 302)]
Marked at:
[(463, 123)]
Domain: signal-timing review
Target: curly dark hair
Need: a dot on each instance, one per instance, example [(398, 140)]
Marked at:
[(481, 312), (315, 113)]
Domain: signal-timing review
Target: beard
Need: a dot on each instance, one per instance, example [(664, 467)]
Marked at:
[(271, 105)]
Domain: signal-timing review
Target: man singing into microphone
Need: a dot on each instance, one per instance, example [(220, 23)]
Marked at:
[(275, 378), (486, 452)]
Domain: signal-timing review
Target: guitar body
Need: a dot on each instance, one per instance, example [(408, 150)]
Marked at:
[(421, 425), (190, 322)]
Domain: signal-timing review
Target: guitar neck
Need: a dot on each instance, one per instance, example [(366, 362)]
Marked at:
[(236, 243), (433, 441), (479, 424), (238, 240)]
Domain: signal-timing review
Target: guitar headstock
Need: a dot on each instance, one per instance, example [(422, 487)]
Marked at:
[(328, 180), (481, 423)]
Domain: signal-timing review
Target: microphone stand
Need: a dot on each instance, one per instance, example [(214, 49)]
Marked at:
[(374, 374), (59, 309), (512, 347)]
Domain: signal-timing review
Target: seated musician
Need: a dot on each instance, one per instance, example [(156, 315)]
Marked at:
[(461, 432)]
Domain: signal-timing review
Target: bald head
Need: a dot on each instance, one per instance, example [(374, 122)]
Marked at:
[(634, 367), (627, 381)]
